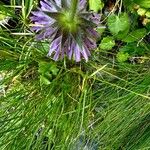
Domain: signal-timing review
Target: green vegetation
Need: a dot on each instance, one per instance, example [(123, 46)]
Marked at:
[(103, 104)]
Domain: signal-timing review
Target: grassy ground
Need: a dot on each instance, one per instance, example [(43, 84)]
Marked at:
[(102, 104)]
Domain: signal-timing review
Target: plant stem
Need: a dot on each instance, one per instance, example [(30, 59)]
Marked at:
[(73, 9)]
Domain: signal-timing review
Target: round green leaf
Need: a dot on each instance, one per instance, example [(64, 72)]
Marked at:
[(122, 57), (117, 23), (107, 43), (96, 5)]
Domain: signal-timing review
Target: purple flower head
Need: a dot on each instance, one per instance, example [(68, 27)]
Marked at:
[(69, 26)]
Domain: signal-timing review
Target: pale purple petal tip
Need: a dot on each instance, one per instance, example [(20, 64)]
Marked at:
[(82, 4), (77, 53), (95, 18), (48, 5), (58, 2), (55, 45), (56, 56)]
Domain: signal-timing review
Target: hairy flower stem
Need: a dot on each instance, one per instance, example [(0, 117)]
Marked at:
[(73, 9)]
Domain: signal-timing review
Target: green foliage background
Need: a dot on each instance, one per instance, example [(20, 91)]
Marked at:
[(103, 104)]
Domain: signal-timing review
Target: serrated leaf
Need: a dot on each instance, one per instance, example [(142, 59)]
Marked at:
[(107, 43), (135, 35), (121, 35), (132, 49), (96, 5), (118, 23), (122, 57)]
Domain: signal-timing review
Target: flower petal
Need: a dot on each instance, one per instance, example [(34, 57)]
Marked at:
[(82, 5), (55, 45), (77, 51), (95, 18), (84, 54), (56, 56), (70, 49), (36, 28), (92, 33), (48, 5), (90, 43), (58, 2)]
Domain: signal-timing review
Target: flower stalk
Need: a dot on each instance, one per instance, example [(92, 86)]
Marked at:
[(73, 9)]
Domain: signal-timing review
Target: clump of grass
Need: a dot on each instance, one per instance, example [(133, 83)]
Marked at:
[(101, 104)]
